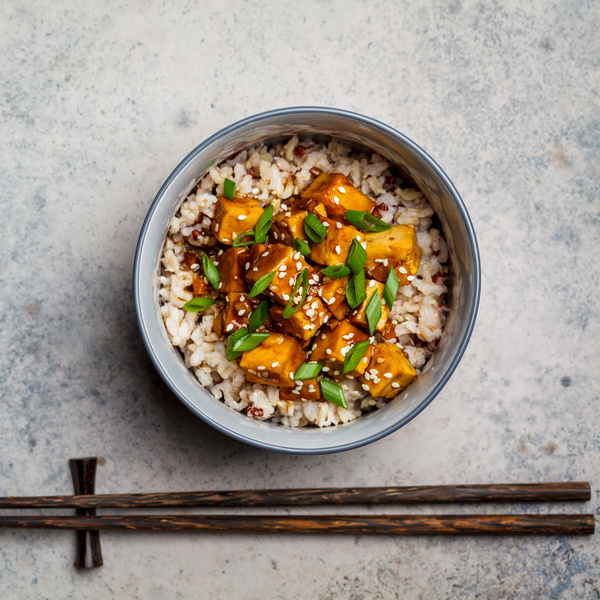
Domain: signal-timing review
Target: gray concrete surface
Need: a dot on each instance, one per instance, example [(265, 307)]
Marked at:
[(100, 101)]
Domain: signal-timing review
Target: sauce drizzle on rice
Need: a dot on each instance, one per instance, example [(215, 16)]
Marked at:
[(298, 178)]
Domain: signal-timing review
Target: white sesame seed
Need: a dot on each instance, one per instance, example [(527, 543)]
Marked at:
[(216, 227), (364, 245), (291, 281), (331, 301), (282, 237), (379, 360), (225, 239), (233, 235), (220, 252), (242, 298), (322, 336), (338, 250), (276, 363), (307, 327), (286, 297), (325, 224), (195, 267), (296, 392), (402, 270), (410, 277), (265, 253), (342, 189), (326, 369), (310, 312), (376, 380), (338, 225), (256, 190), (313, 347), (365, 387), (365, 359), (283, 267), (261, 368), (388, 375), (247, 266), (395, 384), (311, 388), (220, 284), (241, 217), (242, 312), (281, 275), (275, 235), (229, 327), (299, 266), (297, 255), (291, 375), (367, 376), (326, 319), (336, 199), (336, 372), (255, 269), (328, 351)]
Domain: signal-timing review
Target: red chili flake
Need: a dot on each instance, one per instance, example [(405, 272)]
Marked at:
[(252, 411), (189, 258), (315, 171), (438, 275), (300, 151)]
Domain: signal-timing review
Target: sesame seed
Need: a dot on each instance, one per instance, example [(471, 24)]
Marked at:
[(299, 266), (307, 327), (379, 360), (367, 376), (410, 277), (261, 368), (322, 336), (242, 298), (242, 312), (338, 250), (297, 255), (364, 245), (336, 372), (313, 347), (331, 301), (336, 199), (325, 224), (310, 312), (219, 252), (281, 275), (247, 266), (252, 371), (291, 281), (256, 190), (326, 369), (275, 235), (402, 270), (295, 392), (276, 363), (286, 297), (388, 375), (376, 380), (220, 284), (216, 227), (311, 388), (365, 387), (365, 359), (342, 189), (291, 374), (255, 269), (395, 384), (282, 236), (328, 351), (225, 239), (241, 217), (350, 336), (338, 225), (265, 253), (229, 327), (283, 267)]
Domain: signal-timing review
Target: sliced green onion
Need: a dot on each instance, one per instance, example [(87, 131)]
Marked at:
[(365, 220), (261, 284), (289, 309), (333, 393), (355, 355), (229, 189), (373, 311), (314, 229), (263, 225), (307, 371), (302, 247), (355, 290), (258, 316), (336, 271), (210, 271), (198, 304), (391, 287), (357, 257), (249, 342), (232, 340), (239, 240)]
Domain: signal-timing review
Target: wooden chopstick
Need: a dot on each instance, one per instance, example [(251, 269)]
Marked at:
[(520, 492), (553, 524)]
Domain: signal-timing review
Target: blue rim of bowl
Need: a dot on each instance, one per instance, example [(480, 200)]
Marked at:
[(471, 319)]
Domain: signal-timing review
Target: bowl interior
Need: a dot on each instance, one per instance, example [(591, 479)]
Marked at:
[(415, 165)]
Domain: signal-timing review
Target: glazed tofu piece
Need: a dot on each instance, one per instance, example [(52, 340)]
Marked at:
[(358, 316), (303, 390), (201, 287), (289, 225), (337, 194), (231, 270), (333, 295), (282, 260), (304, 323), (396, 248), (235, 314), (388, 373), (334, 248), (333, 343), (274, 361), (234, 217)]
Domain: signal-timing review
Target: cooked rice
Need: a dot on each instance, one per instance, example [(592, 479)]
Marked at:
[(271, 175)]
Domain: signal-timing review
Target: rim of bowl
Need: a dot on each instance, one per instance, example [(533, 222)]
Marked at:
[(470, 322)]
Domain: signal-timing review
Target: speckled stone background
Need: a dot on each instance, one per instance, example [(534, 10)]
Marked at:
[(101, 100)]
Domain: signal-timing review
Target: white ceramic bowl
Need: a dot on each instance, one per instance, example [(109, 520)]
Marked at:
[(413, 163)]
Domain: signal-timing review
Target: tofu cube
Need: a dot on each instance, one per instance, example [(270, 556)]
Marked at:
[(282, 260), (201, 286), (231, 269), (289, 225), (336, 245), (331, 346), (304, 322), (358, 316), (396, 248), (274, 361), (333, 295), (337, 194), (388, 373), (303, 390), (234, 217)]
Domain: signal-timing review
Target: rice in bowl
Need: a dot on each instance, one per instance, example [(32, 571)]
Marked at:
[(275, 176)]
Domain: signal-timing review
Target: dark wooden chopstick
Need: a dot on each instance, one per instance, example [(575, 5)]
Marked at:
[(520, 492), (561, 524)]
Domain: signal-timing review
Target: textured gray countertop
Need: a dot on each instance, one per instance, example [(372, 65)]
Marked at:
[(99, 103)]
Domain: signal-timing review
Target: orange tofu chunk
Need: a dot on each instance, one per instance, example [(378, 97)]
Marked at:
[(274, 361), (289, 225), (237, 311), (331, 346), (358, 316), (285, 262), (309, 390), (304, 322), (333, 295), (396, 248), (336, 245), (201, 287), (337, 194), (231, 271), (234, 217), (388, 373)]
